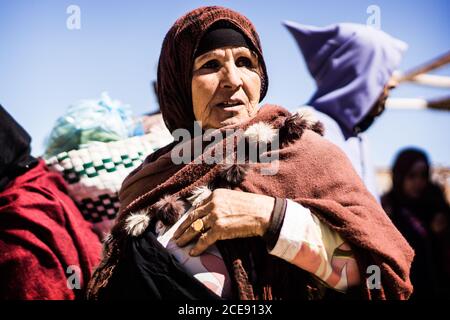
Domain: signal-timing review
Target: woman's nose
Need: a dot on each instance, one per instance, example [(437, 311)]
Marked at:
[(231, 78)]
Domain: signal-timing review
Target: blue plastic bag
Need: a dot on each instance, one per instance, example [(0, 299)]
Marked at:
[(89, 121)]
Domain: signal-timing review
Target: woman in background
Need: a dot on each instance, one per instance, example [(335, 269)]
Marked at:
[(418, 208)]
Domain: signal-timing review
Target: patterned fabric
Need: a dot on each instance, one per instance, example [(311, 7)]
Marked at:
[(207, 268), (95, 175), (303, 241), (311, 245)]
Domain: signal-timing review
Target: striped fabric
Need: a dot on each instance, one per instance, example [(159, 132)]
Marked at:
[(95, 174)]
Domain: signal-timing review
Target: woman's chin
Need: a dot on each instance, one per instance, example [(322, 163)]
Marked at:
[(236, 120), (228, 123)]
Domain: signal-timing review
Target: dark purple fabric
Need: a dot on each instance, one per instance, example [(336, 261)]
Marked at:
[(351, 64)]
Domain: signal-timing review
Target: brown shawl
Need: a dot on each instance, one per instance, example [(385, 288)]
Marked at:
[(312, 172)]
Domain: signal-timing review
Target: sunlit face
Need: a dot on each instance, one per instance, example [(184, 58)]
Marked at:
[(225, 86), (416, 180)]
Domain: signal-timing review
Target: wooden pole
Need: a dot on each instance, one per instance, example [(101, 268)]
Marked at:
[(432, 80), (406, 103), (431, 65), (440, 104), (418, 104)]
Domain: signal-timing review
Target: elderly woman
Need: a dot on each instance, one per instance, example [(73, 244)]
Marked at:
[(301, 226)]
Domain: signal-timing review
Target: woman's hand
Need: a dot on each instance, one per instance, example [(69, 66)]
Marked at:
[(226, 214)]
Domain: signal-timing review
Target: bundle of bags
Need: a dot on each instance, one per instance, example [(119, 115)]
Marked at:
[(94, 146)]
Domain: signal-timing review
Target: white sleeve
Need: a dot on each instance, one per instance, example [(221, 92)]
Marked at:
[(311, 245)]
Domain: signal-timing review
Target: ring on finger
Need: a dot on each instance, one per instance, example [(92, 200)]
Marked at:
[(198, 225)]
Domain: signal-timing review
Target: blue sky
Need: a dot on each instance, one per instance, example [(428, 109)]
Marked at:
[(44, 67)]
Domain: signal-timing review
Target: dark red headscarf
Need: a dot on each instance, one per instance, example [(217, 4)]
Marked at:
[(177, 58)]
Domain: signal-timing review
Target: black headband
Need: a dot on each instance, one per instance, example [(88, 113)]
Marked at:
[(221, 37)]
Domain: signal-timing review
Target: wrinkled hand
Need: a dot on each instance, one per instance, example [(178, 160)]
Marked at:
[(226, 214)]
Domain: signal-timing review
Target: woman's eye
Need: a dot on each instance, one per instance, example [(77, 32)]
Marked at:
[(244, 62), (211, 64)]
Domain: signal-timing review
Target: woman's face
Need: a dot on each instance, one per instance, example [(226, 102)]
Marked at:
[(416, 180), (225, 87)]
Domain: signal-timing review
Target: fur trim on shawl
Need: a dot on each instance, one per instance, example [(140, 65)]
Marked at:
[(311, 171)]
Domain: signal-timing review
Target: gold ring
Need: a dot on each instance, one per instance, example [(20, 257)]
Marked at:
[(197, 225)]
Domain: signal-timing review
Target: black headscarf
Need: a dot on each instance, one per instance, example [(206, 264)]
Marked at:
[(431, 201), (222, 34), (15, 158), (403, 164)]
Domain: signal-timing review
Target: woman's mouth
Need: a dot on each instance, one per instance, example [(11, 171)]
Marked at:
[(231, 105)]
